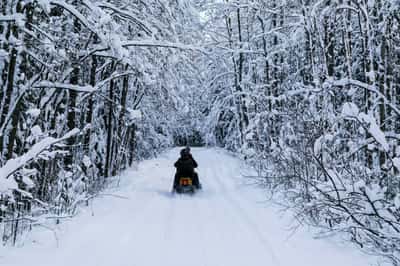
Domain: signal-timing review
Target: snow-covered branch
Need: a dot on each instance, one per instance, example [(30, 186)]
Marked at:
[(73, 11), (57, 85), (15, 164), (164, 44), (146, 28), (363, 85), (14, 17)]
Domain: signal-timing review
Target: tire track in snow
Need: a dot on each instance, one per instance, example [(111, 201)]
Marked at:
[(209, 224), (168, 218), (241, 213), (200, 228), (233, 232)]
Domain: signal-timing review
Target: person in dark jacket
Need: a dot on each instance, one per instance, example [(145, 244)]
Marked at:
[(185, 167)]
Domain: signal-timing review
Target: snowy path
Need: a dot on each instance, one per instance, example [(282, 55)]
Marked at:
[(223, 225)]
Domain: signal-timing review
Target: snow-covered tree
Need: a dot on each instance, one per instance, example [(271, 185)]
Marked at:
[(115, 73), (308, 92)]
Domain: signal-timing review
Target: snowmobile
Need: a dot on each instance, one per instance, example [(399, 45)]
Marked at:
[(185, 185)]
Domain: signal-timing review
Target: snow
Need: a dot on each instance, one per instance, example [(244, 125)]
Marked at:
[(14, 17), (135, 114), (165, 44), (360, 184), (7, 183), (320, 141), (3, 53), (378, 135), (142, 223), (397, 202), (45, 5), (374, 130), (396, 162), (71, 9), (318, 146), (34, 112), (48, 84), (36, 131), (350, 110), (28, 182), (86, 161), (359, 84)]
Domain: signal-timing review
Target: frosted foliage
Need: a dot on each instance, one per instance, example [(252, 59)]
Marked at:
[(89, 88), (396, 163), (374, 130), (350, 110), (307, 92), (36, 131)]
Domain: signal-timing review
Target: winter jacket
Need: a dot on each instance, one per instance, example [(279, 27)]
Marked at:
[(185, 165)]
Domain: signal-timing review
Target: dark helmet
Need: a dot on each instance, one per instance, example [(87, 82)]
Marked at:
[(187, 149), (184, 153)]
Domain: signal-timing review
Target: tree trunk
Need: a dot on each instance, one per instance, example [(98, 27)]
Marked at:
[(89, 115), (71, 116), (109, 147)]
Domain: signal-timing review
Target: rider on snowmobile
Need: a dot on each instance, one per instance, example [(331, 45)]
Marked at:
[(185, 167)]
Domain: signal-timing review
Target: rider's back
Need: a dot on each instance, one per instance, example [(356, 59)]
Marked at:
[(185, 166)]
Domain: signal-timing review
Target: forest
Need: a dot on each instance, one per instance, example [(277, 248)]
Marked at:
[(306, 91)]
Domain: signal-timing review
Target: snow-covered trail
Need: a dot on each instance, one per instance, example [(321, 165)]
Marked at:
[(223, 225)]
